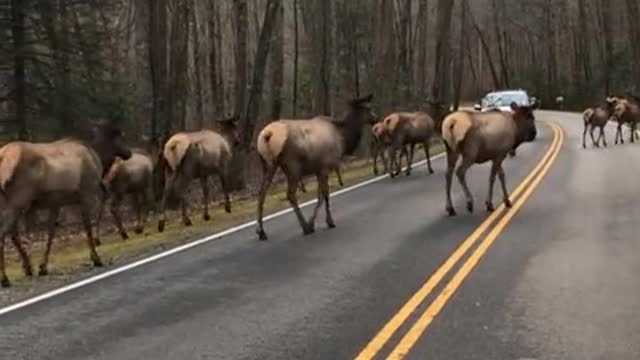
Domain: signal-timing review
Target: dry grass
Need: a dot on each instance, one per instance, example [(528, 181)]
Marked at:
[(71, 254)]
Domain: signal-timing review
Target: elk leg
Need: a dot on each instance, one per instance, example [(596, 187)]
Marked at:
[(205, 198), (86, 222), (225, 190), (51, 232), (392, 160), (602, 136), (24, 257), (492, 180), (268, 173), (620, 132), (168, 187), (584, 135), (10, 222), (374, 156), (324, 186), (426, 153), (593, 141), (452, 159), (410, 159), (302, 187), (115, 213), (339, 177), (103, 200), (505, 193), (183, 208), (138, 200), (321, 178), (292, 184), (461, 174)]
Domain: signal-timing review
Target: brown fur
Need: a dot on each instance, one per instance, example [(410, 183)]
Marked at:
[(481, 137), (52, 175), (380, 142), (597, 117), (194, 155), (626, 112), (408, 129), (313, 146), (131, 177)]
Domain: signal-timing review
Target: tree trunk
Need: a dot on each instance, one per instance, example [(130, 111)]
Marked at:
[(18, 32), (277, 65), (422, 37), (460, 56), (441, 64), (633, 15), (296, 53), (158, 66), (605, 8), (325, 66), (241, 28), (247, 120)]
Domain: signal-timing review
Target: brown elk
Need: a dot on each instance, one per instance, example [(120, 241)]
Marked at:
[(197, 155), (482, 137), (49, 176), (133, 178), (313, 146), (379, 146), (627, 111), (597, 117), (409, 129)]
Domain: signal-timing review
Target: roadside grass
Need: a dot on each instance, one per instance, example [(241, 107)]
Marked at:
[(70, 257)]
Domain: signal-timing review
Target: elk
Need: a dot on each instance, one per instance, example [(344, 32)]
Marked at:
[(313, 146), (482, 137), (627, 112), (132, 177), (379, 145), (196, 155), (50, 175), (409, 129), (303, 189), (597, 117)]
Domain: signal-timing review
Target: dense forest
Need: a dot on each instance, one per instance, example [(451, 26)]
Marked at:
[(159, 66)]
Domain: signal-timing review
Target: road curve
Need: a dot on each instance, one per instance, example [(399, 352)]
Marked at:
[(558, 283)]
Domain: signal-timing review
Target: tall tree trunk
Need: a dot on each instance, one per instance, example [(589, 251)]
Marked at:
[(325, 64), (460, 56), (277, 65), (215, 61), (18, 32), (441, 64), (422, 37), (296, 53), (605, 13), (241, 28), (583, 42), (158, 66), (633, 16), (247, 120), (197, 64)]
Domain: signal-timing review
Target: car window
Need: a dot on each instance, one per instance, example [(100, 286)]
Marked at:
[(505, 99)]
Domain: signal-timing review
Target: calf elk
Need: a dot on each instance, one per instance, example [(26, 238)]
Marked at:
[(313, 146), (597, 117), (482, 137), (409, 129), (627, 112), (196, 155)]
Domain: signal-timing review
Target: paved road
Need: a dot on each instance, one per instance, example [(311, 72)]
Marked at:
[(559, 283)]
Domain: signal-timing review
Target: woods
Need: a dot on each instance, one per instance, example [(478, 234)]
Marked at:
[(157, 67)]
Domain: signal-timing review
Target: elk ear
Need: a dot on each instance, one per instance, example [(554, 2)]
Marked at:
[(514, 106)]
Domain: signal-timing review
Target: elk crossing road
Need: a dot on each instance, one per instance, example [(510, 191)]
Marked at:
[(553, 277)]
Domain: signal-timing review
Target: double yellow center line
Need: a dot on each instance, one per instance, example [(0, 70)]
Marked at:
[(526, 188)]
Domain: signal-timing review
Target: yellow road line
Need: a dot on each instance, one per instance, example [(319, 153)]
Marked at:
[(432, 311), (374, 346)]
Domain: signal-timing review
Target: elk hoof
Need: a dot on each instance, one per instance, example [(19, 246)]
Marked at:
[(227, 208), (507, 203), (124, 235), (490, 207), (375, 171), (187, 222), (206, 217), (43, 270), (470, 207), (161, 226), (138, 230), (28, 271), (408, 173), (331, 224), (451, 211), (97, 262), (307, 230), (5, 283), (431, 171), (98, 242), (262, 235)]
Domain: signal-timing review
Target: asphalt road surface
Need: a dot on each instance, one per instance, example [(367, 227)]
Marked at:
[(558, 280)]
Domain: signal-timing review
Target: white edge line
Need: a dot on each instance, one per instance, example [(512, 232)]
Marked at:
[(164, 254)]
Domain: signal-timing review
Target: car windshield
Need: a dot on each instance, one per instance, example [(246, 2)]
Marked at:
[(505, 99)]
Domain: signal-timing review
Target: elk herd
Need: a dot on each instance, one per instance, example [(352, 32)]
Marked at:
[(617, 109), (46, 176)]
